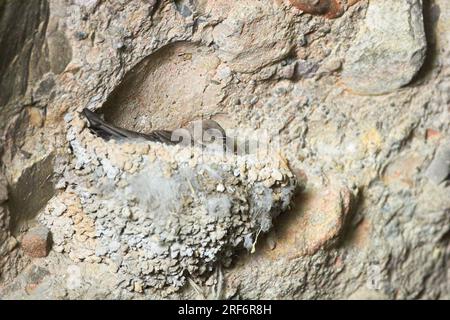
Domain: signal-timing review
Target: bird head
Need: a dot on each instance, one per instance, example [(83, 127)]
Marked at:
[(205, 133)]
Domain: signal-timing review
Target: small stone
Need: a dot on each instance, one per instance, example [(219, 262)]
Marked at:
[(254, 100), (253, 176), (114, 246), (305, 69), (127, 166), (58, 249), (271, 241), (211, 281), (220, 188), (439, 169), (330, 66), (277, 175), (58, 209), (36, 119), (269, 183), (101, 251), (119, 45), (12, 244), (68, 117), (61, 184), (138, 287), (81, 35), (36, 242), (29, 288), (223, 72), (329, 8), (287, 72), (126, 213)]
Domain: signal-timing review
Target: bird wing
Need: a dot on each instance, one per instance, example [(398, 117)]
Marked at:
[(163, 136), (108, 131)]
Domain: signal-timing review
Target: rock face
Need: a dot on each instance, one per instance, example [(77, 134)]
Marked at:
[(17, 55), (389, 50), (333, 85)]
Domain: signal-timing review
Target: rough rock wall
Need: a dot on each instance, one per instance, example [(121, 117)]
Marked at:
[(357, 93)]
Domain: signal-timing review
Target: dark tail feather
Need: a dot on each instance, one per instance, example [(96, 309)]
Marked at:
[(108, 131), (103, 129)]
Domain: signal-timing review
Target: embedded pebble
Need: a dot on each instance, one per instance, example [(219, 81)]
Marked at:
[(439, 169), (389, 49), (36, 242)]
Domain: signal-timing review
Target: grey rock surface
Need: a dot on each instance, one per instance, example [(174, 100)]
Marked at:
[(370, 222), (389, 50), (248, 41)]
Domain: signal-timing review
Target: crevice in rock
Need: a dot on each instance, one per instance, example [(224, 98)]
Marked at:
[(165, 90)]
